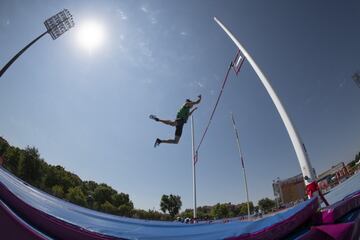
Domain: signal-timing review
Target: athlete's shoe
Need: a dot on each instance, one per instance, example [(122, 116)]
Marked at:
[(157, 142), (154, 117)]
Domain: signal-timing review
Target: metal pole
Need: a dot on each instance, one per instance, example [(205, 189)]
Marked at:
[(3, 70), (193, 165), (299, 147), (242, 163), (50, 29)]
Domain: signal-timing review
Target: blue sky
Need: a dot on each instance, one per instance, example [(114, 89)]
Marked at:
[(88, 111)]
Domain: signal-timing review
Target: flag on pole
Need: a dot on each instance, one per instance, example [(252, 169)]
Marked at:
[(238, 62)]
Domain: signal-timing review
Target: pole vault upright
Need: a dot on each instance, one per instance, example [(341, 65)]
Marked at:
[(193, 165), (306, 168), (242, 163)]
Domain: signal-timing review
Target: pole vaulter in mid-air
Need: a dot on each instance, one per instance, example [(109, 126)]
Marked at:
[(181, 118)]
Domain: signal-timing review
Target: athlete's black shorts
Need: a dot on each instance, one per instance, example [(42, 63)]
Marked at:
[(179, 126)]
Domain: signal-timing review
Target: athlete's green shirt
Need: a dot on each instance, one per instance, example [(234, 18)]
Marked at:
[(183, 112)]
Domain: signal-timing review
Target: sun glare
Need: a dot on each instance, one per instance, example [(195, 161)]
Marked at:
[(90, 35)]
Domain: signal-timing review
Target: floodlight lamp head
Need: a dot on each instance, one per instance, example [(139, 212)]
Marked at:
[(59, 23)]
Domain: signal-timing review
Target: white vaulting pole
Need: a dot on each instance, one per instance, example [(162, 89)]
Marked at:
[(193, 165), (306, 168), (242, 163)]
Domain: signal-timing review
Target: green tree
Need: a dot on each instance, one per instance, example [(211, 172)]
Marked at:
[(119, 199), (220, 211), (171, 203), (12, 158), (266, 204), (52, 178), (73, 179), (234, 210), (3, 146), (29, 166), (75, 195), (244, 208), (109, 208), (57, 191), (103, 193), (150, 215), (57, 175), (125, 210), (204, 212), (139, 213), (188, 213), (89, 186)]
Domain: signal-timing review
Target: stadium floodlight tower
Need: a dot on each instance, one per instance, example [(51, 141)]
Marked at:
[(305, 165), (55, 26)]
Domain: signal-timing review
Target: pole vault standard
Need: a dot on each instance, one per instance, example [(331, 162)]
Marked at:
[(56, 26), (193, 165), (242, 163), (306, 168)]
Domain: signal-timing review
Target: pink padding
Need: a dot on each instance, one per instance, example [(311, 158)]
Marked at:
[(330, 214), (11, 227), (47, 224), (356, 230), (315, 234), (283, 228), (341, 231)]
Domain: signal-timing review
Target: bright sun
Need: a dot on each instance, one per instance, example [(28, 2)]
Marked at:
[(90, 35)]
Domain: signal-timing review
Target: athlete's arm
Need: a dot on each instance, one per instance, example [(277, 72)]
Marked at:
[(191, 103), (192, 111)]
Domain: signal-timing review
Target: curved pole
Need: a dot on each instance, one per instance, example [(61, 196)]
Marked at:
[(306, 168)]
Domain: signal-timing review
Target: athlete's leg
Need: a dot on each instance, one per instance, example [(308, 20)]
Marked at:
[(178, 132), (172, 141), (168, 122), (179, 127)]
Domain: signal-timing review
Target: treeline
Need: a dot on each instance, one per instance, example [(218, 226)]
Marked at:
[(220, 211), (229, 210), (28, 166)]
